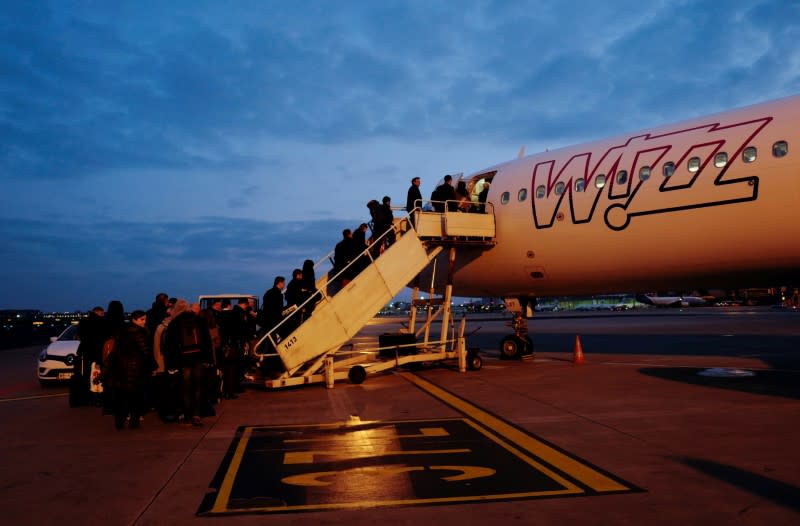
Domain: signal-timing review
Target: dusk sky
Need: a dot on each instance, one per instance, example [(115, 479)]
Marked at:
[(201, 147)]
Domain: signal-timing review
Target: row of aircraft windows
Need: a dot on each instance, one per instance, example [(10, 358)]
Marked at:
[(749, 155)]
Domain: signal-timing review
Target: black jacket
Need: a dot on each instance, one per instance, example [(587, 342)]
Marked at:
[(271, 308), (413, 196), (444, 192), (186, 342), (130, 364)]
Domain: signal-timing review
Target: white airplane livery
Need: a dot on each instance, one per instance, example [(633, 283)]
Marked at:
[(706, 203)]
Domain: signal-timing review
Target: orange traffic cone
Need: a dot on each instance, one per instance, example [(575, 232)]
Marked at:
[(577, 357)]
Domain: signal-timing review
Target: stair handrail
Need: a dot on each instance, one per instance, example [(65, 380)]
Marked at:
[(323, 292)]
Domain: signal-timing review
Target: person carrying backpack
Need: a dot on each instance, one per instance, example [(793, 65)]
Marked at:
[(187, 346)]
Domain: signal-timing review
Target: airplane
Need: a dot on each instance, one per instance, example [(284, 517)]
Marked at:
[(671, 301), (709, 202)]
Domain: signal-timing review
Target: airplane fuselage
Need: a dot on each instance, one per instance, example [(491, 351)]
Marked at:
[(707, 203)]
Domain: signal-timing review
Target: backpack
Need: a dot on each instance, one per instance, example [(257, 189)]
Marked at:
[(190, 336)]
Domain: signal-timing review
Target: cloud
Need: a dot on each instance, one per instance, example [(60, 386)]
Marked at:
[(70, 265), (174, 126)]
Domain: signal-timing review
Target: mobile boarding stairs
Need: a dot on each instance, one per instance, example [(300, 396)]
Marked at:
[(320, 349)]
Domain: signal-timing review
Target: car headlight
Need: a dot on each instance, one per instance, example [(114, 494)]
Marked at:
[(43, 355), (70, 359)]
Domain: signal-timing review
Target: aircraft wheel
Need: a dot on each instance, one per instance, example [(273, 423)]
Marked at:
[(357, 374), (512, 347), (474, 362)]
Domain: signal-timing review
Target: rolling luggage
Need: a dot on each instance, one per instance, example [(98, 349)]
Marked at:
[(212, 390), (78, 395), (406, 340), (169, 401)]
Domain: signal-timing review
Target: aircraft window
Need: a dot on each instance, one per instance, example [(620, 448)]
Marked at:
[(540, 191), (669, 169), (622, 177), (559, 188), (600, 181), (504, 197), (749, 154), (694, 164), (644, 173), (580, 185), (721, 160), (780, 148), (522, 195)]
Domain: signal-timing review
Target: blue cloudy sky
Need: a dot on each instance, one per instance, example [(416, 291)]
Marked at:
[(203, 146)]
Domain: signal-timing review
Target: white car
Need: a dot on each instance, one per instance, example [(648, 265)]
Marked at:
[(57, 359)]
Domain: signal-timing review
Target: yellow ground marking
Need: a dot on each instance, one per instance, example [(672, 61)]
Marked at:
[(396, 502), (467, 472), (424, 432), (574, 468), (313, 479), (307, 457), (224, 493)]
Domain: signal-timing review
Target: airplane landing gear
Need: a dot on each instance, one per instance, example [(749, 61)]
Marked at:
[(519, 344), (513, 347)]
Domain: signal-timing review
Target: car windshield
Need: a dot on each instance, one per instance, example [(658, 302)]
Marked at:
[(69, 334)]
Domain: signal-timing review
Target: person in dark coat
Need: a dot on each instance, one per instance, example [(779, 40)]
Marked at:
[(187, 346), (128, 370), (115, 325), (413, 198), (92, 334), (271, 315), (294, 297), (272, 304), (308, 289), (483, 196), (444, 192), (359, 246), (342, 256), (235, 334), (388, 220), (157, 312), (294, 290)]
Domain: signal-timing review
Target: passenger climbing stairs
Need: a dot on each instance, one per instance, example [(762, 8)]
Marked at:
[(317, 350)]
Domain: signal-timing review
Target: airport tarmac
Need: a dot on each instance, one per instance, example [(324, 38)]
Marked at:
[(635, 435)]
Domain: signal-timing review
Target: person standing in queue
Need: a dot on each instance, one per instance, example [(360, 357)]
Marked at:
[(187, 346), (388, 220), (92, 334), (272, 304), (342, 256), (294, 297), (129, 368), (483, 196), (271, 315), (413, 198), (236, 337), (308, 288), (443, 193)]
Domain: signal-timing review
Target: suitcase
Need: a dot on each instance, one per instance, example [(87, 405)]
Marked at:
[(78, 389), (212, 390), (169, 401), (397, 338)]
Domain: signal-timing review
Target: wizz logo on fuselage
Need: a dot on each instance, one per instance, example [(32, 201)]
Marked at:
[(684, 189)]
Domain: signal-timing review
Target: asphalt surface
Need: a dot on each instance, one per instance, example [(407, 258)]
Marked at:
[(635, 435)]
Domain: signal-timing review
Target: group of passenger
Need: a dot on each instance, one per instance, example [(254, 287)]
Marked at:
[(180, 360), (456, 199), (175, 359)]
